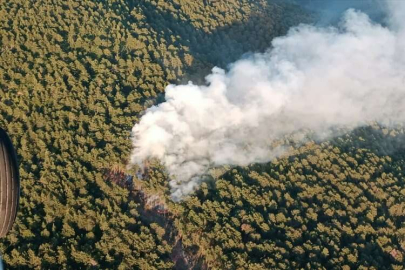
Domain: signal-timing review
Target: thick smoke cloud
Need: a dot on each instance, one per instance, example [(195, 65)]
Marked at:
[(318, 79)]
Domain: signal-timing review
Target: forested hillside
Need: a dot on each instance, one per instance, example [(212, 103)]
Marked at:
[(329, 205), (74, 78)]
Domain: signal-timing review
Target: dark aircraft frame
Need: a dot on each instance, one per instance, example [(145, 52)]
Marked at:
[(9, 184)]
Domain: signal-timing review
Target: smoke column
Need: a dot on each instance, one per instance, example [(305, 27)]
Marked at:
[(317, 79)]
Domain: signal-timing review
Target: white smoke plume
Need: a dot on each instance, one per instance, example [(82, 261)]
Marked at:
[(313, 78)]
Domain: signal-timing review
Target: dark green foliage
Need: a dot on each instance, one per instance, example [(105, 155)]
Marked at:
[(332, 205), (74, 78)]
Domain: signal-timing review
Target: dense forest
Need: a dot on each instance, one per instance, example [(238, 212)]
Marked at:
[(326, 205), (74, 78)]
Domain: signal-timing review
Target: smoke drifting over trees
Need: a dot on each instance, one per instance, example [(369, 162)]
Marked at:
[(318, 79)]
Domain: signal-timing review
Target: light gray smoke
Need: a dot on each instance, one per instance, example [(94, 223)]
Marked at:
[(313, 78)]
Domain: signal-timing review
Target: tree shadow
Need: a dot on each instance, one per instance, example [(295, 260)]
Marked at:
[(224, 45), (378, 140)]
